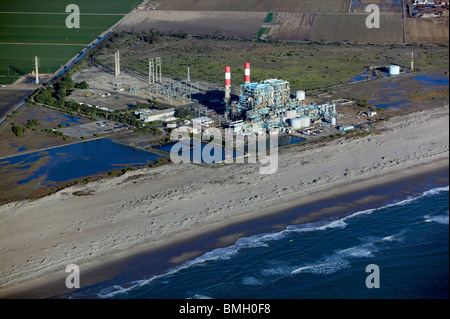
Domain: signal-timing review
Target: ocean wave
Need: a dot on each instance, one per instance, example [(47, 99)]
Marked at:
[(111, 291), (341, 259), (278, 271), (333, 263), (252, 281), (200, 297), (440, 219)]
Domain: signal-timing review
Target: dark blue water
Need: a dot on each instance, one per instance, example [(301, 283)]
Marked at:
[(398, 104), (431, 80), (196, 151), (408, 240), (79, 160), (199, 152)]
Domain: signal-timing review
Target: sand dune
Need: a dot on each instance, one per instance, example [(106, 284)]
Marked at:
[(148, 207)]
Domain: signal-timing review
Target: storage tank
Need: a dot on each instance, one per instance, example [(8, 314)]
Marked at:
[(296, 123), (300, 95), (394, 70), (306, 121)]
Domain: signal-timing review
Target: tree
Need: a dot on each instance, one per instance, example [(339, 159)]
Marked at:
[(67, 82), (18, 130), (83, 85)]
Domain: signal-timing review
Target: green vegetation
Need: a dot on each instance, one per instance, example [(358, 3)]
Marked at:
[(262, 31), (183, 114), (32, 123), (18, 130), (269, 18), (82, 86), (18, 59), (86, 6), (306, 66), (362, 103), (43, 28), (152, 105)]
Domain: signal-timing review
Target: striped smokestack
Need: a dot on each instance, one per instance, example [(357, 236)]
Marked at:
[(247, 73), (227, 83)]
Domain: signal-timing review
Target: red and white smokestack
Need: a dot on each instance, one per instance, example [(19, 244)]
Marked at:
[(227, 83), (247, 73)]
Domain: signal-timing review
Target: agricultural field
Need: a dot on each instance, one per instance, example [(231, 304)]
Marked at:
[(427, 30), (337, 6), (45, 28), (352, 28), (19, 59), (29, 29), (229, 24), (386, 6), (86, 6), (294, 26)]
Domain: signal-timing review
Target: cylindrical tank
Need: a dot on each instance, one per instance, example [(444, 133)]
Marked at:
[(296, 123), (306, 121), (394, 70), (300, 95)]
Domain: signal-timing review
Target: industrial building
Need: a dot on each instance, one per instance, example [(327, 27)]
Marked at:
[(267, 105), (156, 115)]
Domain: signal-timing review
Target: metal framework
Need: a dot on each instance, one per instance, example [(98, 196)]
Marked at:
[(267, 105)]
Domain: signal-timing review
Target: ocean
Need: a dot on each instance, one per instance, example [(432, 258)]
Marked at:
[(407, 239)]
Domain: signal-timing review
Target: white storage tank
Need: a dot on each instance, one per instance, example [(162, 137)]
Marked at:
[(394, 70), (296, 123), (300, 95), (306, 121)]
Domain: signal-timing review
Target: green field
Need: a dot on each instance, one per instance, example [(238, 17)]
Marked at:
[(18, 59), (269, 18), (86, 6), (44, 28), (25, 22), (262, 31)]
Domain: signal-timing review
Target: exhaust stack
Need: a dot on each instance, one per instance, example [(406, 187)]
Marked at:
[(227, 84), (247, 73)]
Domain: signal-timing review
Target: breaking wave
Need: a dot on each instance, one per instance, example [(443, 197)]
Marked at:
[(338, 260)]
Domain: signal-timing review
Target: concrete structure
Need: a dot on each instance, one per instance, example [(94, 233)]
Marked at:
[(36, 64), (117, 63), (156, 115)]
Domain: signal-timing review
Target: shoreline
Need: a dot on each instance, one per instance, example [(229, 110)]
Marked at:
[(114, 266), (152, 209)]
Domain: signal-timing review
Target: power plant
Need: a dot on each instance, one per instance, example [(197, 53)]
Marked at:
[(267, 105)]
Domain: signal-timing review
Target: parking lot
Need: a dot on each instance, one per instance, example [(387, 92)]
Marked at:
[(93, 129)]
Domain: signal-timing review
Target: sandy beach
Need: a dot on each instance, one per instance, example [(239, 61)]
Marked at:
[(148, 208)]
